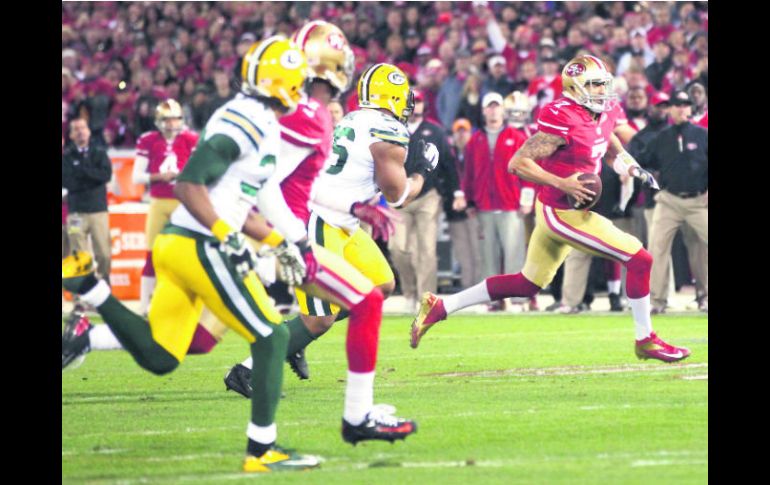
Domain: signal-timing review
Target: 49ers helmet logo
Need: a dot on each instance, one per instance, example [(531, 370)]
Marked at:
[(336, 41), (575, 69)]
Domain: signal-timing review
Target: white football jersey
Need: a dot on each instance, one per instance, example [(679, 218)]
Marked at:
[(349, 176), (256, 131)]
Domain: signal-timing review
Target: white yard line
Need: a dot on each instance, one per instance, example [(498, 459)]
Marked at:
[(569, 370)]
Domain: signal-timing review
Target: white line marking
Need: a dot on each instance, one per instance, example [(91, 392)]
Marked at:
[(568, 370)]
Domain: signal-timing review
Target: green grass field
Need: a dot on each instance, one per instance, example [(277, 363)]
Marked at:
[(536, 399)]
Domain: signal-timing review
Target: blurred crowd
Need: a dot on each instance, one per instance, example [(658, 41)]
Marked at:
[(119, 59)]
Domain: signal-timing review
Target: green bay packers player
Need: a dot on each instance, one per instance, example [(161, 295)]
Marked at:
[(318, 40), (202, 257)]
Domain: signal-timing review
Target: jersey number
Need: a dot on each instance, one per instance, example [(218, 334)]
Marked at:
[(341, 132), (598, 151)]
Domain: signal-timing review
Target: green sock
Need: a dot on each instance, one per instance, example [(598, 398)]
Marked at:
[(299, 336), (268, 355), (135, 336)]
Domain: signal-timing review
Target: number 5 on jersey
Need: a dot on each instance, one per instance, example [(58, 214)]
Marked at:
[(341, 133)]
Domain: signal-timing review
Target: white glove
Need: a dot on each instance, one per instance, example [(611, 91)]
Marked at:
[(292, 267)]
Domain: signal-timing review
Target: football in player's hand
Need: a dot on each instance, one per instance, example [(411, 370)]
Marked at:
[(595, 184)]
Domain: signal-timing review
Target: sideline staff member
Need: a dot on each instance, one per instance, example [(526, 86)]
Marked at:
[(680, 154)]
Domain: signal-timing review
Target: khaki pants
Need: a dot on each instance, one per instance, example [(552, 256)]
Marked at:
[(413, 245), (577, 267), (670, 214), (81, 227), (502, 240), (465, 247)]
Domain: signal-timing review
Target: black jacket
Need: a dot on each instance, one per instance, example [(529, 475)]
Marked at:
[(85, 177), (444, 178), (636, 148), (680, 154)]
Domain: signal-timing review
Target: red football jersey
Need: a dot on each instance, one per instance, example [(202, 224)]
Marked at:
[(587, 142), (309, 126), (165, 156)]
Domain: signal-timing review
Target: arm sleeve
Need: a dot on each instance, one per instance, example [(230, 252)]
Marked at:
[(210, 160), (273, 206), (139, 174), (289, 158)]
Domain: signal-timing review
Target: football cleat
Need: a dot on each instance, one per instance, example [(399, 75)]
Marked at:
[(277, 459), (238, 379), (379, 424), (653, 347), (74, 339), (298, 364), (77, 272), (431, 311)]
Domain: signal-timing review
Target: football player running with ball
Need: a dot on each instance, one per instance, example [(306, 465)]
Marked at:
[(574, 133)]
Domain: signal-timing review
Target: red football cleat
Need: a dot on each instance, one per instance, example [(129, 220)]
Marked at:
[(431, 311), (654, 348)]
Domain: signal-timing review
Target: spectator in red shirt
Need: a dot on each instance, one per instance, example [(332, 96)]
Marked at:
[(662, 23), (494, 192)]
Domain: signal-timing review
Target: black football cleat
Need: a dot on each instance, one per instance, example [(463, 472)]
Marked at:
[(616, 304), (298, 364), (74, 339), (238, 379), (379, 424)]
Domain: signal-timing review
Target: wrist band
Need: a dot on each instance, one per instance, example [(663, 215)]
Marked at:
[(273, 239), (403, 197), (221, 229)]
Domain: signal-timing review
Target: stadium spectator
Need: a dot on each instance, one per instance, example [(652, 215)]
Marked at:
[(336, 110), (498, 80), (413, 244), (700, 111), (463, 226), (448, 102), (661, 65), (680, 153), (494, 192), (640, 55), (86, 169), (470, 100)]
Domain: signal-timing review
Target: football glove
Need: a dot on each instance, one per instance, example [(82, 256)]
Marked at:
[(427, 159), (380, 218), (239, 252), (298, 264), (646, 177)]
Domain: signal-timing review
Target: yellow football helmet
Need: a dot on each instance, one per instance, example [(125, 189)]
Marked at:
[(275, 68), (386, 86), (168, 110), (518, 109), (329, 56), (582, 71)]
